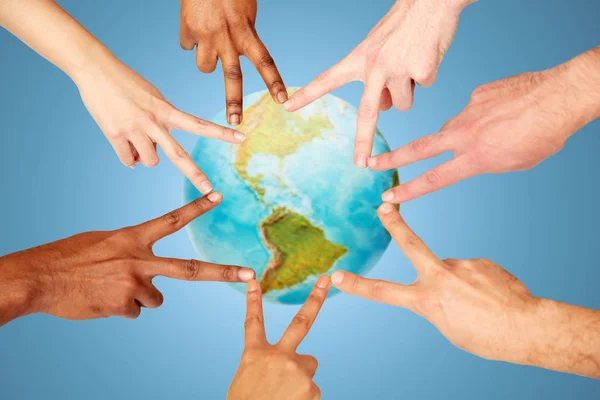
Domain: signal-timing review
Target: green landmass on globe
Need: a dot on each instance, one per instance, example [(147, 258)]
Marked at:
[(295, 207)]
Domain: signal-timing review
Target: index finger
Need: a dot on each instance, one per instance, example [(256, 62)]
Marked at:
[(416, 251), (258, 54), (158, 228), (302, 322), (178, 119), (331, 79), (254, 325)]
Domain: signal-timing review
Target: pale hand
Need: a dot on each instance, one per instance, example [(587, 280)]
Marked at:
[(478, 306), (273, 372), (405, 47), (509, 125), (135, 117)]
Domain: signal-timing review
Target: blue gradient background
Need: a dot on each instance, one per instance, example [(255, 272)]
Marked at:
[(60, 177)]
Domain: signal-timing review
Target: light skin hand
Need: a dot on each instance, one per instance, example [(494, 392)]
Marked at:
[(405, 47), (103, 274), (483, 309), (509, 125), (224, 29), (132, 114), (273, 372)]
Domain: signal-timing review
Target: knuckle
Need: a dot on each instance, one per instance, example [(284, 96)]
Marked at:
[(172, 218), (233, 72), (413, 241), (433, 178), (192, 269), (199, 203), (229, 274), (302, 320), (266, 61), (377, 289), (180, 153), (368, 111), (252, 320), (237, 103), (419, 146)]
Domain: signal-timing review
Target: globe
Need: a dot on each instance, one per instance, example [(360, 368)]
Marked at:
[(294, 205)]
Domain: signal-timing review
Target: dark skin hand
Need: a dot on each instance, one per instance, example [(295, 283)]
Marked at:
[(224, 29), (104, 273)]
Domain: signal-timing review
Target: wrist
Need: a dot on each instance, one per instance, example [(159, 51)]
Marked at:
[(19, 291), (90, 62)]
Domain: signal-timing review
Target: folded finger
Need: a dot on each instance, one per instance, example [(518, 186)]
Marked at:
[(124, 151), (145, 148)]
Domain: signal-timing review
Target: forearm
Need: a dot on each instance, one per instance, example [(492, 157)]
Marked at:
[(16, 290), (580, 78), (565, 338), (49, 30)]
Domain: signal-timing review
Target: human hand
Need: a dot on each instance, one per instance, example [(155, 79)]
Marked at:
[(224, 29), (102, 274), (405, 47), (478, 306), (275, 372), (509, 125), (135, 117)]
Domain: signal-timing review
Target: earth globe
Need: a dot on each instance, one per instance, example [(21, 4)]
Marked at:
[(294, 205)]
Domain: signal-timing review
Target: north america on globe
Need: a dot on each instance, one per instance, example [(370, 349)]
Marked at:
[(294, 206)]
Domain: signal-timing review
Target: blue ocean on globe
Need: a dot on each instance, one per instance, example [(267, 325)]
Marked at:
[(294, 205)]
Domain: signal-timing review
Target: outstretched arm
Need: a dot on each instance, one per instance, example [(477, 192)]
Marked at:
[(132, 113), (483, 309)]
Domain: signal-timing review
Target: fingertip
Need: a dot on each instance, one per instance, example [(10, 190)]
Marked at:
[(289, 104), (387, 196), (282, 97), (386, 208), (206, 187), (323, 282), (372, 162), (246, 274), (337, 278), (239, 136), (234, 119), (360, 160), (214, 197), (253, 286)]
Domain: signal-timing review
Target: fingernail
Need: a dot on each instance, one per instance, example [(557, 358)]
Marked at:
[(323, 282), (282, 97), (360, 160), (337, 277), (372, 162), (214, 197), (206, 187), (239, 136), (288, 105), (246, 274), (387, 196), (234, 119), (386, 208)]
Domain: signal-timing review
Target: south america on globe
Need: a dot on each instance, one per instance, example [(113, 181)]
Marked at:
[(294, 205)]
